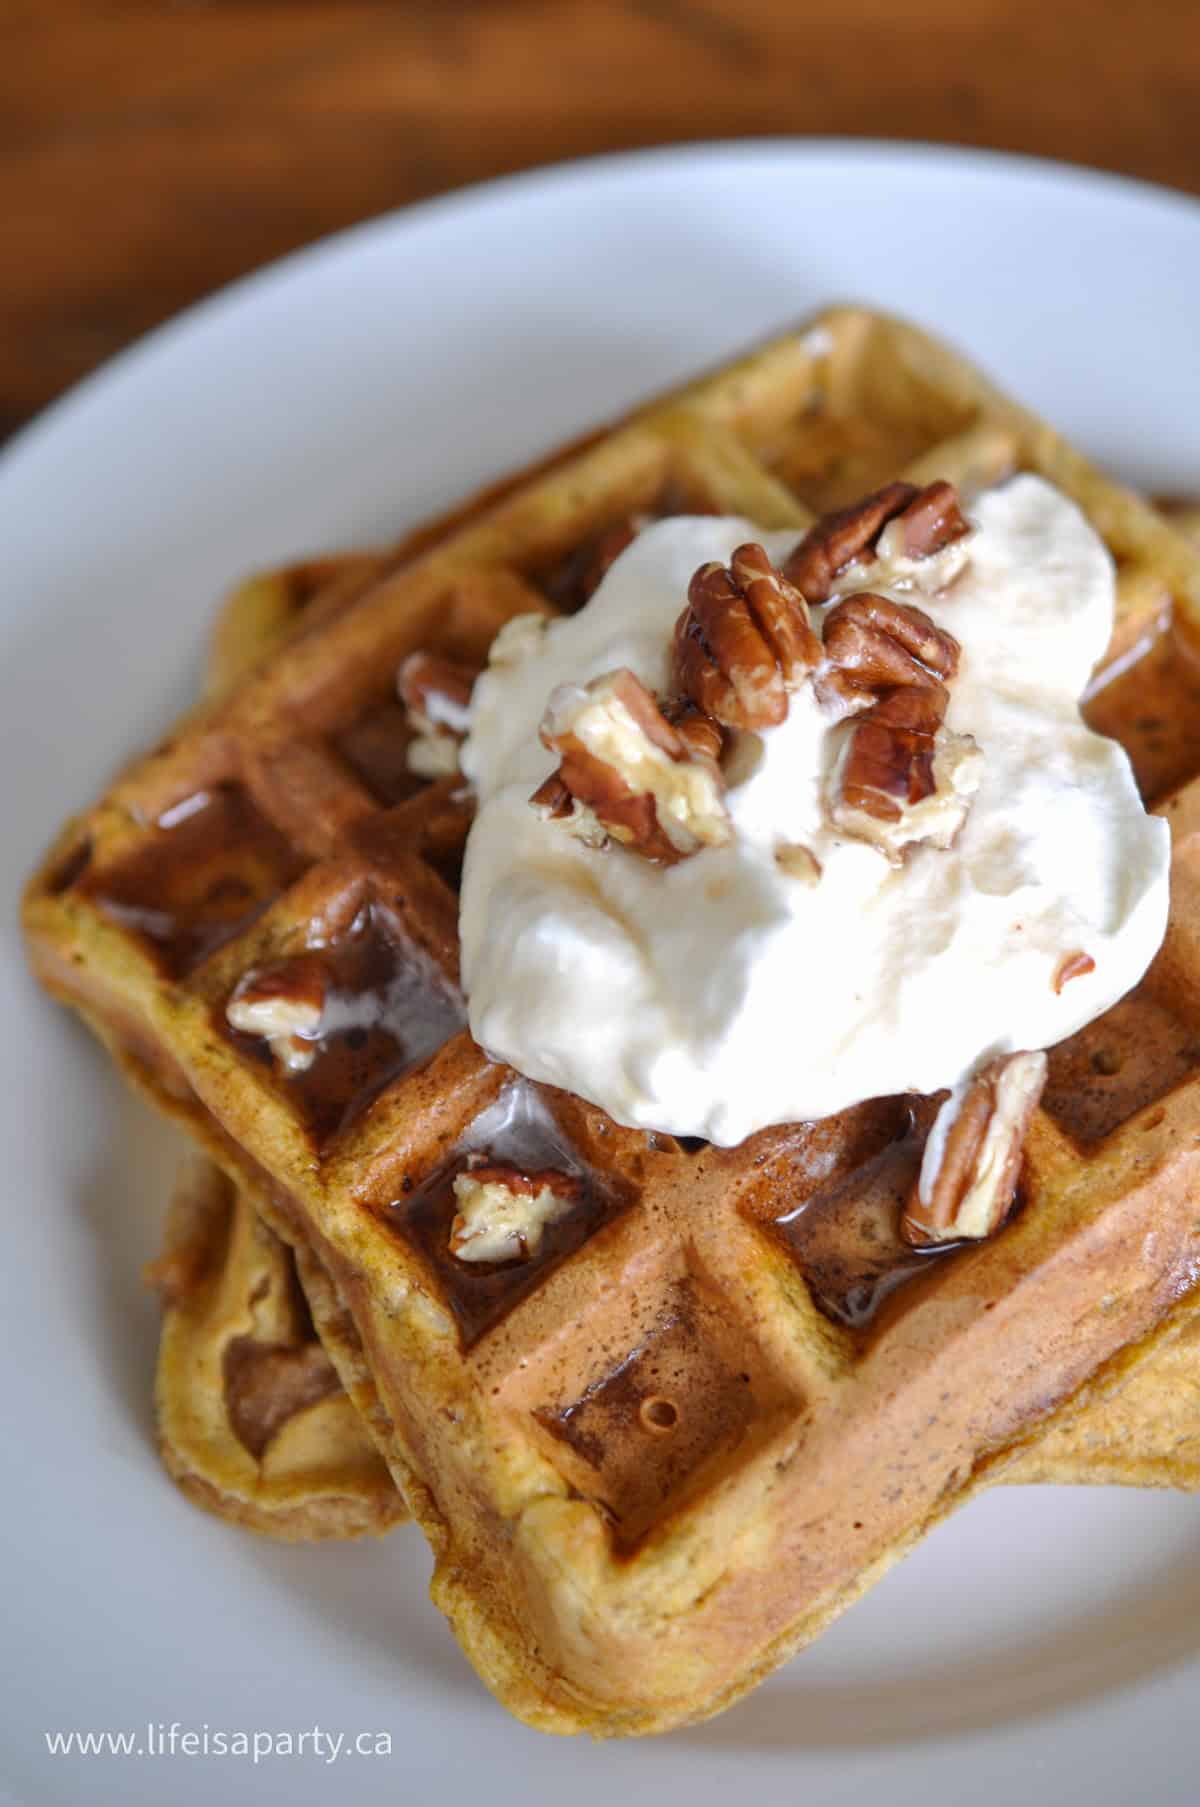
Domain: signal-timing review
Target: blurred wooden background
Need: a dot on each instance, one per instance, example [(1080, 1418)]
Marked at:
[(152, 149)]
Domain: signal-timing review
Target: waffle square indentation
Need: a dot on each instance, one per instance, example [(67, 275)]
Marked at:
[(213, 865), (518, 1130), (647, 1426), (1128, 1058), (387, 1009)]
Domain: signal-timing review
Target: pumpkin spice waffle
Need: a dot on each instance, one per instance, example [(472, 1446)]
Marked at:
[(253, 1421), (1185, 516), (722, 1398), (1146, 1433)]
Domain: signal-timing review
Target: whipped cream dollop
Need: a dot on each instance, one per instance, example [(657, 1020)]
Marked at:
[(741, 988)]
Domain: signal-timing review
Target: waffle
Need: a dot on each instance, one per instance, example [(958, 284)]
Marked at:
[(253, 1421), (658, 1458), (1145, 1432), (1184, 516)]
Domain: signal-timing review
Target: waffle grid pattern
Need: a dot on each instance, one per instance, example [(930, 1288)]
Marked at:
[(665, 1460)]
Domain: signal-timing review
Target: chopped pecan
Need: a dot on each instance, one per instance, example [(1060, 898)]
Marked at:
[(1072, 966), (554, 803), (972, 1159), (901, 523), (700, 732), (874, 642), (622, 760), (503, 1212), (901, 776), (743, 641), (283, 1004), (436, 694), (798, 861), (842, 536), (932, 521)]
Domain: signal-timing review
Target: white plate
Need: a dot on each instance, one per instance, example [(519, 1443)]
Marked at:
[(1046, 1640)]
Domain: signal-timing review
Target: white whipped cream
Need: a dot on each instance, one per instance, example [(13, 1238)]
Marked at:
[(725, 993)]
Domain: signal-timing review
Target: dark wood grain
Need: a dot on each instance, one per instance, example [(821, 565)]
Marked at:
[(150, 152)]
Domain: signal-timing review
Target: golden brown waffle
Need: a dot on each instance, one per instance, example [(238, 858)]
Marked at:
[(1145, 1433), (655, 1460), (253, 1421), (1140, 1427)]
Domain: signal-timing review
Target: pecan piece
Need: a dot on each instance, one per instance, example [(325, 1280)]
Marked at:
[(972, 1159), (796, 860), (699, 731), (873, 642), (504, 1212), (932, 521), (436, 694), (743, 641), (283, 1004), (909, 527), (842, 536), (1072, 966), (623, 761), (901, 776), (554, 803)]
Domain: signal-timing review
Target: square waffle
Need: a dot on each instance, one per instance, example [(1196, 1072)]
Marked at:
[(253, 1421), (662, 1454)]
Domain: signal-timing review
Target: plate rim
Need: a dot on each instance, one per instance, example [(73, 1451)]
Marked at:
[(102, 389)]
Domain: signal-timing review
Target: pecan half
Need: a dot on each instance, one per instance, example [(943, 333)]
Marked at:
[(874, 642), (436, 694), (901, 776), (504, 1212), (743, 641), (932, 521), (622, 760), (283, 1004), (972, 1159), (905, 525)]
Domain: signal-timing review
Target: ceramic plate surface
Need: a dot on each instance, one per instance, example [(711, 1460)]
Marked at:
[(1043, 1643)]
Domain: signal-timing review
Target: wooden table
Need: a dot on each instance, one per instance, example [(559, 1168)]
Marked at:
[(150, 150)]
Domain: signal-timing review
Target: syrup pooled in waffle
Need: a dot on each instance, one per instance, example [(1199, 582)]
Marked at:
[(660, 1455)]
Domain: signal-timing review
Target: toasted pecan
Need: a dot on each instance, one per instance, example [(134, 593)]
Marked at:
[(743, 641), (623, 761), (874, 642), (1075, 965), (972, 1163), (504, 1211), (436, 695), (283, 1004), (918, 522), (840, 537)]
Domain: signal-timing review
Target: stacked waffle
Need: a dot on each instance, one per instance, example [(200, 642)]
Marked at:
[(663, 1451)]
